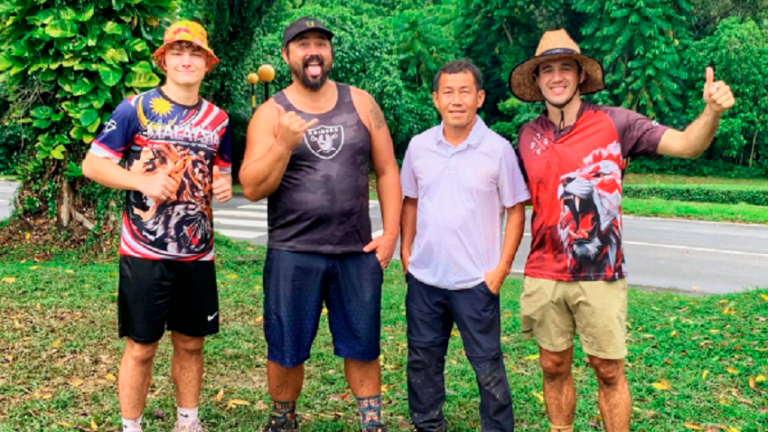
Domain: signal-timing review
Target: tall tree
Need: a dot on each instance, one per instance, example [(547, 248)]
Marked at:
[(640, 43)]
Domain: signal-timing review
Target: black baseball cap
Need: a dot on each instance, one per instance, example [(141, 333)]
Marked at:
[(303, 25)]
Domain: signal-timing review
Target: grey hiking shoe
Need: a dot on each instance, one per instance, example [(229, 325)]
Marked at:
[(376, 428), (281, 424), (195, 426)]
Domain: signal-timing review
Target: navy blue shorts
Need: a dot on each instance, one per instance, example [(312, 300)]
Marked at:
[(295, 287)]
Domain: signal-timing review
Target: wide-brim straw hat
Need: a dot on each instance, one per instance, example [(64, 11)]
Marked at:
[(554, 45), (188, 31)]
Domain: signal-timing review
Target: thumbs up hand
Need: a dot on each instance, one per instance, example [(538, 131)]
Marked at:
[(159, 185), (717, 94), (222, 186)]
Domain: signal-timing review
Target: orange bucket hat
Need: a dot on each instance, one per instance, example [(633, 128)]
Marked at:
[(554, 45), (188, 31)]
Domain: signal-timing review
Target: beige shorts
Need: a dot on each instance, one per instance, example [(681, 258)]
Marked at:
[(554, 311)]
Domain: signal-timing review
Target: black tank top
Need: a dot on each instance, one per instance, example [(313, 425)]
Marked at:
[(321, 204)]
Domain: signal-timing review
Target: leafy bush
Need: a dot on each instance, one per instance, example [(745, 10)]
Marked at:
[(66, 66), (721, 194)]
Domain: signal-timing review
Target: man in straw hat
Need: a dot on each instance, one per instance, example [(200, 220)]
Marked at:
[(574, 155), (308, 150), (176, 148)]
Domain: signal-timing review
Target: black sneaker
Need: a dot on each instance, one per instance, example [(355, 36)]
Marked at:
[(375, 428), (442, 428), (281, 424)]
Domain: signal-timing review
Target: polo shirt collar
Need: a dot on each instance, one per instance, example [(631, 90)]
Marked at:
[(476, 136)]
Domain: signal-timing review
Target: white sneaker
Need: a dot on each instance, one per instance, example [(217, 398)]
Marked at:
[(195, 426)]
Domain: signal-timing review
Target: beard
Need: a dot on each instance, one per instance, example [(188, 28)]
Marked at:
[(306, 81)]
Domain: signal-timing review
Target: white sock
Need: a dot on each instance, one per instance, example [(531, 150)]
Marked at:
[(132, 425), (186, 415)]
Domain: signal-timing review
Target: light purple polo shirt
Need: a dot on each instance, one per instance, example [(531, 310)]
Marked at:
[(462, 194)]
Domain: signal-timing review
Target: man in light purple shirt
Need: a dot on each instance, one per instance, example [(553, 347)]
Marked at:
[(458, 180)]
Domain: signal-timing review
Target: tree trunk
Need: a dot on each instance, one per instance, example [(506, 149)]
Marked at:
[(754, 140)]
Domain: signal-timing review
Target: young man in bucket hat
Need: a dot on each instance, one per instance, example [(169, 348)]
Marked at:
[(308, 150), (574, 155), (176, 148), (459, 181)]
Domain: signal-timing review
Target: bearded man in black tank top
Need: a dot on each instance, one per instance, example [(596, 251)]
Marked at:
[(308, 150)]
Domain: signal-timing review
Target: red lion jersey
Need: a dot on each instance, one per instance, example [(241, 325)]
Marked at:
[(574, 177)]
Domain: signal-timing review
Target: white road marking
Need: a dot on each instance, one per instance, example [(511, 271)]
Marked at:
[(253, 206), (241, 213), (238, 234), (243, 223), (699, 249)]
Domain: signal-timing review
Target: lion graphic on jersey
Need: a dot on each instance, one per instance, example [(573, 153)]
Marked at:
[(590, 218)]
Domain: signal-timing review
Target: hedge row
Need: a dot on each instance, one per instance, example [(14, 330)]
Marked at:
[(721, 194)]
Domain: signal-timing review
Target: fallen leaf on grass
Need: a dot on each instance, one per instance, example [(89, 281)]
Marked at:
[(69, 271), (110, 377), (339, 397), (732, 370), (532, 357), (258, 319), (752, 384), (660, 386), (724, 402), (760, 378), (94, 426), (764, 296), (732, 430), (34, 268), (236, 402), (232, 276), (538, 396), (693, 426), (77, 382), (9, 280), (56, 343), (219, 395), (384, 388), (704, 374), (64, 424)]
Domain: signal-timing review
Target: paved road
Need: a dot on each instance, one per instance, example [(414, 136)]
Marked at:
[(662, 253)]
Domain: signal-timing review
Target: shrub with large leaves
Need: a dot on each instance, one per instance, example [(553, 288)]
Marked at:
[(65, 66)]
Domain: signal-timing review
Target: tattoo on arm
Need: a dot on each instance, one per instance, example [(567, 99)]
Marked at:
[(377, 116)]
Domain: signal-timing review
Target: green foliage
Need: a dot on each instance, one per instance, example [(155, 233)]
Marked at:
[(424, 42), (721, 194), (743, 135), (66, 66), (640, 43)]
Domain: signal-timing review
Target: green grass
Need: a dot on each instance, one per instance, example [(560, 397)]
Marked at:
[(656, 207), (643, 179), (59, 354), (696, 211)]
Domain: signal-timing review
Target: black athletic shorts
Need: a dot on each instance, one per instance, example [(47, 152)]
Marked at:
[(154, 294)]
